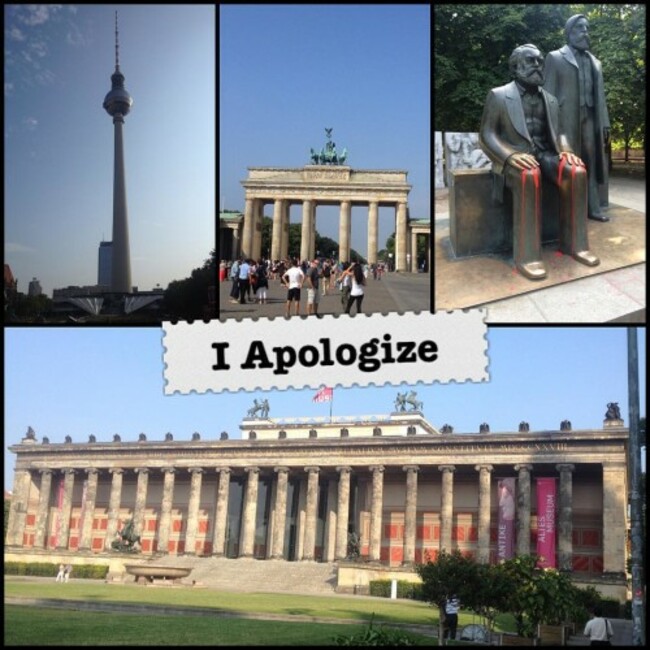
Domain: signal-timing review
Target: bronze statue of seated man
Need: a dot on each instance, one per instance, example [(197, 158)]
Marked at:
[(519, 133)]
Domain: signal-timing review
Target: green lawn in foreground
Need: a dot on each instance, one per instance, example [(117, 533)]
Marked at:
[(30, 626), (401, 611)]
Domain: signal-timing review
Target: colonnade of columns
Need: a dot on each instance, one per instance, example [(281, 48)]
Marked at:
[(340, 491), (252, 230)]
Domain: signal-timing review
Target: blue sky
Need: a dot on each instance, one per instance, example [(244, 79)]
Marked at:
[(59, 140), (101, 381), (287, 72)]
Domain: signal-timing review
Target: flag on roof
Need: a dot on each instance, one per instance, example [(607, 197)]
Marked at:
[(324, 395)]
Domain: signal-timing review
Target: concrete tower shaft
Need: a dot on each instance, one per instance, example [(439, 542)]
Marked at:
[(117, 104)]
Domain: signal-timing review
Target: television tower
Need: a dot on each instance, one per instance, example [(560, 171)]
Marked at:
[(118, 104)]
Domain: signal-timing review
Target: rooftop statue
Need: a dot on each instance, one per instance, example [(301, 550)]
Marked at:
[(408, 399), (262, 407), (613, 411), (328, 155)]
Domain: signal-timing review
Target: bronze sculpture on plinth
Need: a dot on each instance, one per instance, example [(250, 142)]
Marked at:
[(575, 77), (520, 134)]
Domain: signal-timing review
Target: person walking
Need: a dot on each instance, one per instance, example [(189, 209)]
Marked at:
[(313, 276), (61, 574), (452, 605), (262, 284), (68, 571), (599, 629), (358, 280), (234, 276), (293, 278), (244, 280)]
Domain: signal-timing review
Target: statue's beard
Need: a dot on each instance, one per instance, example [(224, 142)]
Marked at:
[(534, 78), (582, 43)]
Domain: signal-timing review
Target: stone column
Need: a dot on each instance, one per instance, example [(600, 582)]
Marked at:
[(249, 223), (311, 513), (89, 510), (277, 546), (410, 512), (373, 229), (40, 538), (614, 518), (401, 237), (257, 229), (523, 509), (446, 506), (140, 500), (312, 236), (64, 531), (221, 514), (329, 541), (284, 242), (377, 501), (414, 252), (344, 231), (18, 508), (484, 505), (276, 238), (565, 519), (250, 512), (113, 506), (164, 527), (342, 511), (305, 235), (193, 510), (236, 243)]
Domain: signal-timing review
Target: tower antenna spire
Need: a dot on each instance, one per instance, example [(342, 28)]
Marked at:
[(117, 45)]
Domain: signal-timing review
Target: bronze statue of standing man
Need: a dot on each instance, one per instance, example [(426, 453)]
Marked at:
[(520, 134), (575, 76)]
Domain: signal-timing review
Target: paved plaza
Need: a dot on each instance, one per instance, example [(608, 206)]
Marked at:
[(395, 292)]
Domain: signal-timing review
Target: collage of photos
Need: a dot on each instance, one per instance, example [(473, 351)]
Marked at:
[(298, 425)]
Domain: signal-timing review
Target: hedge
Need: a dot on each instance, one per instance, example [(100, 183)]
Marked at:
[(49, 569), (405, 589)]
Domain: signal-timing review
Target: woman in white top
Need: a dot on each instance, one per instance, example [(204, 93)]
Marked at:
[(356, 292)]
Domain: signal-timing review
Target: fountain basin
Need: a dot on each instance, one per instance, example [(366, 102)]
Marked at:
[(152, 573)]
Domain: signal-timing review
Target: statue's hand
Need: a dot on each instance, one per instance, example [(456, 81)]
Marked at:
[(572, 159), (522, 161)]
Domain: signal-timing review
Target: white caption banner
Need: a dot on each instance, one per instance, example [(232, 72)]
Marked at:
[(266, 354)]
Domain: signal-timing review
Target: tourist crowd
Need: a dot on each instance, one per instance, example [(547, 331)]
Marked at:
[(250, 281)]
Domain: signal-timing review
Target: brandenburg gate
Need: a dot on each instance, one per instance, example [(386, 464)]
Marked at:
[(325, 182)]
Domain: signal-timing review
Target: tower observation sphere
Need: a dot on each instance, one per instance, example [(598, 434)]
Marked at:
[(118, 101)]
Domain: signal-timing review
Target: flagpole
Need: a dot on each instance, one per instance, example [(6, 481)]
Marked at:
[(331, 404)]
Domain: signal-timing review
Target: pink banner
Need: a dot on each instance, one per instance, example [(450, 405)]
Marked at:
[(506, 526), (546, 498)]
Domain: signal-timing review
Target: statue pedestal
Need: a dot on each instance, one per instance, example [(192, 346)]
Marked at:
[(613, 424), (479, 225)]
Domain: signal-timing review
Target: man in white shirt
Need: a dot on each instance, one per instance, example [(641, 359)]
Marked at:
[(599, 629), (293, 278), (451, 616)]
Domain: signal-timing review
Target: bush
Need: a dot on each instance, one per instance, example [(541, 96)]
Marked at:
[(372, 636), (611, 608), (49, 569), (405, 589)]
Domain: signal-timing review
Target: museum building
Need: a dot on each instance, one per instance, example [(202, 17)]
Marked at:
[(297, 488)]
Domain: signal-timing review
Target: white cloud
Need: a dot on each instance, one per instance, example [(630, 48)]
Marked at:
[(31, 123), (16, 35), (9, 88), (37, 14)]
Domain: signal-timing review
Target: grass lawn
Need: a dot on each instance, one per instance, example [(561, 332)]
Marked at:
[(42, 626)]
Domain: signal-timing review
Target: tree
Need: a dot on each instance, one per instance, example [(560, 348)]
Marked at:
[(187, 299), (7, 506)]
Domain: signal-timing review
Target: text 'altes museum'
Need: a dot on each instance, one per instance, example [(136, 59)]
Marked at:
[(294, 489)]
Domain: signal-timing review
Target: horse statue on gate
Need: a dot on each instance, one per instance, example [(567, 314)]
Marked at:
[(328, 155)]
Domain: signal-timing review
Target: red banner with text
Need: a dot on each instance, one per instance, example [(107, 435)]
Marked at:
[(546, 500)]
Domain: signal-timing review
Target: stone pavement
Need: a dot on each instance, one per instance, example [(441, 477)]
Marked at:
[(614, 296), (395, 292)]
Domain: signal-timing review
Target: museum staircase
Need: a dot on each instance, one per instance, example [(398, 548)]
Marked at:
[(248, 574)]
